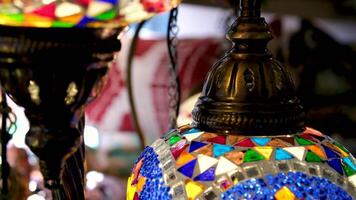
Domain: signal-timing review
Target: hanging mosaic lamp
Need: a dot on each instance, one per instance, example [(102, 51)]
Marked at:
[(248, 139)]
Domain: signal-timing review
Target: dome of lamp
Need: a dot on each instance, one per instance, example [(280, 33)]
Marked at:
[(248, 139)]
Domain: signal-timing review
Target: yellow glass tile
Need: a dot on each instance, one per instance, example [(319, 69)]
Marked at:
[(266, 151), (193, 189), (316, 149), (284, 194), (141, 183), (130, 189), (342, 152), (37, 21), (184, 158)]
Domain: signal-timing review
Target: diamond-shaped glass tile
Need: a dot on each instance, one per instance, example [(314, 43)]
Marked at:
[(188, 169), (196, 145), (224, 166), (317, 150), (184, 158), (208, 175), (252, 155), (303, 142), (205, 162), (220, 149), (235, 156), (336, 164), (284, 194), (193, 189), (282, 154), (266, 151), (261, 141), (221, 139), (297, 152), (312, 157), (245, 143)]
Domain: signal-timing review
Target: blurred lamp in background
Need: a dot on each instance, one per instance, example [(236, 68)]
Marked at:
[(248, 139)]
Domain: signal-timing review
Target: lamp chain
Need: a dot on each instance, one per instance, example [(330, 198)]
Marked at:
[(174, 84)]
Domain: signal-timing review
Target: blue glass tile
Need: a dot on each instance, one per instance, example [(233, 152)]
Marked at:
[(282, 155), (330, 153), (193, 130), (219, 149), (336, 164), (196, 145), (261, 141), (349, 162), (208, 175), (188, 169)]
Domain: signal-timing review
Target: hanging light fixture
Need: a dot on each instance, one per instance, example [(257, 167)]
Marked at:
[(248, 139)]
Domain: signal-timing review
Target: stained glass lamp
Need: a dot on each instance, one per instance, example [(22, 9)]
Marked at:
[(247, 139), (54, 55)]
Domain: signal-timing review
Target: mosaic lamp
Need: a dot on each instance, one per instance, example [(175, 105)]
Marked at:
[(248, 139), (54, 55)]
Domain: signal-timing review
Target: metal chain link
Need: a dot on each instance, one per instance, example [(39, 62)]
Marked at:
[(174, 84)]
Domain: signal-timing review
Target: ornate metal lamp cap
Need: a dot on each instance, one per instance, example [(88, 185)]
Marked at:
[(248, 91)]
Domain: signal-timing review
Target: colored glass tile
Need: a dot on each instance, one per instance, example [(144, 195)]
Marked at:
[(184, 158), (205, 162), (313, 131), (61, 24), (245, 143), (73, 19), (191, 131), (352, 180), (251, 156), (287, 140), (174, 139), (131, 189), (224, 166), (136, 197), (206, 150), (349, 162), (233, 139), (282, 154), (196, 145), (208, 175), (284, 194), (278, 143), (106, 15), (219, 149), (330, 153), (207, 136), (348, 170), (66, 9), (336, 164), (235, 156), (341, 147), (224, 183), (190, 136), (136, 171), (261, 141), (179, 147), (266, 151), (312, 157), (96, 8), (188, 169), (297, 152), (317, 150), (303, 142), (221, 139), (193, 189), (46, 10), (141, 183), (308, 137)]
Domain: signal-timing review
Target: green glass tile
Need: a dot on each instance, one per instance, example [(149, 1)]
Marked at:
[(60, 24), (106, 15), (348, 170), (312, 157), (252, 155), (303, 142), (16, 17), (174, 139), (341, 147)]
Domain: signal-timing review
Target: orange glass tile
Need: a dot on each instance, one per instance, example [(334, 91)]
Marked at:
[(235, 156), (207, 150), (141, 183), (317, 150), (184, 128), (277, 143), (284, 194), (74, 19), (232, 139), (37, 21), (207, 136), (313, 131), (342, 152), (184, 158)]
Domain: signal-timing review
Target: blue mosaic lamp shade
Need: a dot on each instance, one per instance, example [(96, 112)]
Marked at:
[(188, 163)]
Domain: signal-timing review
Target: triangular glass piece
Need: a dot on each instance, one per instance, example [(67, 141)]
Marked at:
[(312, 157), (178, 148), (208, 175), (330, 153), (96, 8), (245, 143), (261, 141), (349, 162), (192, 136), (205, 162), (110, 1), (184, 158), (190, 131), (341, 149), (233, 139), (317, 150), (206, 136), (278, 143), (46, 10), (288, 140), (220, 149), (136, 196), (193, 189), (188, 169), (196, 145), (303, 142), (282, 155), (221, 139), (348, 170), (284, 193), (297, 152), (235, 156), (252, 155), (66, 9), (173, 140), (107, 15), (224, 166), (313, 131), (266, 151), (336, 164), (308, 137), (206, 150)]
